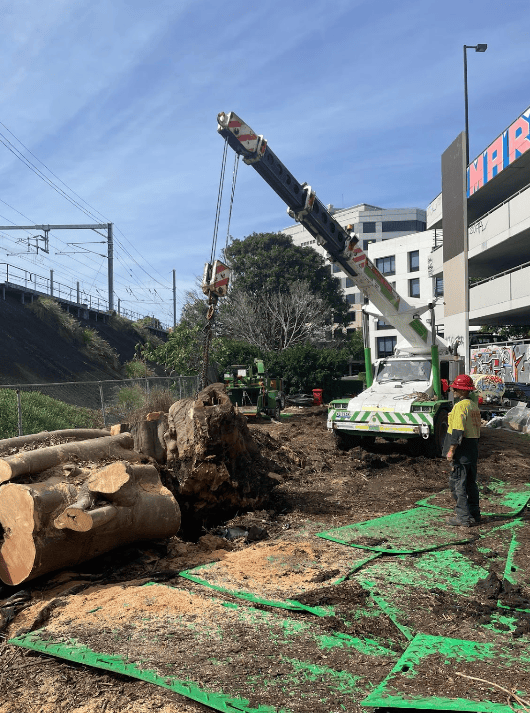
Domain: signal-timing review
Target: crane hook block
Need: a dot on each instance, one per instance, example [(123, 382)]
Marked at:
[(215, 279)]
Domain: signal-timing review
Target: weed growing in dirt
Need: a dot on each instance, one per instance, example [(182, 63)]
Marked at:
[(42, 413), (51, 311), (99, 349)]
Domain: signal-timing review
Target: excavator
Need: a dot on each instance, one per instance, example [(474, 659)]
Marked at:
[(404, 398)]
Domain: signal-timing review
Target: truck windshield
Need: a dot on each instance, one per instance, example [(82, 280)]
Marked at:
[(404, 370)]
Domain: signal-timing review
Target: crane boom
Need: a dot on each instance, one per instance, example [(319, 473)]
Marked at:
[(343, 249)]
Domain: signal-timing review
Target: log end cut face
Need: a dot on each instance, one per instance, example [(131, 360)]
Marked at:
[(18, 551)]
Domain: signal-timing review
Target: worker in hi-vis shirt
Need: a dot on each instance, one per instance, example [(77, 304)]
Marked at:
[(461, 450)]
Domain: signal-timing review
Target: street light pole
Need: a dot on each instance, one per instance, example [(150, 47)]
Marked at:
[(477, 48)]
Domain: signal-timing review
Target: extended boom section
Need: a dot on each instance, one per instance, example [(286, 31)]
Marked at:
[(342, 248)]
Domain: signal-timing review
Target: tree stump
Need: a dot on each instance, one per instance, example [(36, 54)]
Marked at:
[(148, 436), (212, 454), (55, 524)]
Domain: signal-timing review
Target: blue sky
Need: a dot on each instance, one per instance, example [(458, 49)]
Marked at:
[(119, 100)]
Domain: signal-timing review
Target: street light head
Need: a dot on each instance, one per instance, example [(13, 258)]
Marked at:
[(481, 48)]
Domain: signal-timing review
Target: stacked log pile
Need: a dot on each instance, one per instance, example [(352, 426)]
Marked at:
[(71, 507), (66, 503)]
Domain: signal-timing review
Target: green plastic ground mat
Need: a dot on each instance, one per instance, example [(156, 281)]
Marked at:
[(496, 498), (429, 676), (277, 573), (427, 593), (442, 591), (416, 530), (229, 657)]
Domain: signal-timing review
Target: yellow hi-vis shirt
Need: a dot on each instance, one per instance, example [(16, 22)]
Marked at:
[(465, 417)]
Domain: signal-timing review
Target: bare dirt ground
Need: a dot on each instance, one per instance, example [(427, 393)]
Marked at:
[(319, 487)]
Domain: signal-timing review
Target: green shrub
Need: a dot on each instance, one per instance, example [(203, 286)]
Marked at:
[(133, 403), (137, 369), (42, 413), (130, 398)]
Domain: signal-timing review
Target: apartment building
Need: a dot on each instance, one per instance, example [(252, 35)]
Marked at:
[(372, 225)]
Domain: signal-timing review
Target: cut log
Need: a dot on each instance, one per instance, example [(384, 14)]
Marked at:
[(148, 436), (214, 458), (119, 428), (82, 521), (141, 508), (78, 434), (97, 449), (73, 517)]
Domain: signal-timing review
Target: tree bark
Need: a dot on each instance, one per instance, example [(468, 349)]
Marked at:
[(51, 525), (78, 434), (97, 449)]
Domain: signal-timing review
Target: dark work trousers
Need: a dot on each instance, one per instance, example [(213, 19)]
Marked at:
[(463, 479)]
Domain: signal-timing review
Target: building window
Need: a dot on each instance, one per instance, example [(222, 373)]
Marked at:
[(346, 282), (386, 265), (368, 227), (414, 287), (394, 226), (366, 243), (438, 286), (385, 346), (381, 324), (414, 261), (350, 299), (335, 268)]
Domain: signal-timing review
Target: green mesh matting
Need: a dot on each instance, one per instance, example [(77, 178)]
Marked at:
[(312, 569), (431, 664), (439, 590), (496, 498), (412, 591), (417, 530), (228, 657)]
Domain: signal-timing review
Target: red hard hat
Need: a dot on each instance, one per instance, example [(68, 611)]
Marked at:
[(463, 382)]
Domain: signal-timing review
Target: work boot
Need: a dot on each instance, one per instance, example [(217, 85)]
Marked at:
[(457, 522)]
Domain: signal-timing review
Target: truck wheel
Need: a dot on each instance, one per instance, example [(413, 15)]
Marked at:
[(345, 441), (435, 442), (275, 414), (281, 399)]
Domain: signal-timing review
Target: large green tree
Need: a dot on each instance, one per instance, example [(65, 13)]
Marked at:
[(271, 263)]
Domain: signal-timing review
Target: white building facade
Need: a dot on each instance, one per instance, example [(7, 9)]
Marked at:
[(372, 225), (406, 263)]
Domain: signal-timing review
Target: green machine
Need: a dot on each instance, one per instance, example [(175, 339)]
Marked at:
[(254, 391)]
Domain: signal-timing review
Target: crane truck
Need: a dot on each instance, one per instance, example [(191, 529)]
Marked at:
[(404, 396)]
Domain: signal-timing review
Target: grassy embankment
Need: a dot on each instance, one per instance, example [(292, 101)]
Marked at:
[(43, 413)]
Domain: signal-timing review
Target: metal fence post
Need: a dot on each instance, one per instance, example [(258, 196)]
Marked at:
[(102, 404), (19, 407)]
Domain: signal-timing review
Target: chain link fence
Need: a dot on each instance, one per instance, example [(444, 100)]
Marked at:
[(109, 402)]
